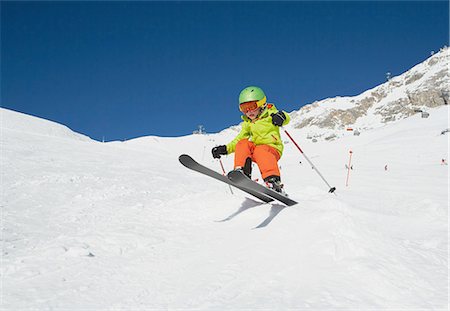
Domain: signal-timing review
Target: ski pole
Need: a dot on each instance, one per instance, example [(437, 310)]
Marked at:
[(349, 167), (223, 170), (332, 189)]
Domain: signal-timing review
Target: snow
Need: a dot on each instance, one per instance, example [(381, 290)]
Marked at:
[(124, 226), (16, 121)]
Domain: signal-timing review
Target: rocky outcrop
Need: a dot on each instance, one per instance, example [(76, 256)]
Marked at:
[(426, 85)]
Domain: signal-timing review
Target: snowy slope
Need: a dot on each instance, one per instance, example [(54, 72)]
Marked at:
[(20, 122), (123, 226)]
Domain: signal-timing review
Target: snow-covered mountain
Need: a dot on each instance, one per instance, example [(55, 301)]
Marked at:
[(124, 226), (425, 86)]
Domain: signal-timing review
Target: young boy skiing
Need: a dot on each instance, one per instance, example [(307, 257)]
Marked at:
[(259, 139)]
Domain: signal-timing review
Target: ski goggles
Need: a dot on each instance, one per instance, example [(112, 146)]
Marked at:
[(250, 106)]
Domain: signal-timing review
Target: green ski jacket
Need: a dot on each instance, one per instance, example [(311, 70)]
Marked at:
[(261, 131)]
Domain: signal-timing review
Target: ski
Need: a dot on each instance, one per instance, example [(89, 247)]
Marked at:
[(240, 179), (190, 163)]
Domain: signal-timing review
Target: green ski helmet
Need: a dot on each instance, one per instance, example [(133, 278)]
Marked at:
[(253, 93)]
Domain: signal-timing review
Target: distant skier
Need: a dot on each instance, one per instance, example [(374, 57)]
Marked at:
[(259, 139)]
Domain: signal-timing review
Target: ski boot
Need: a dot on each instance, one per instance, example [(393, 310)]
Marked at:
[(241, 169), (274, 183), (246, 169)]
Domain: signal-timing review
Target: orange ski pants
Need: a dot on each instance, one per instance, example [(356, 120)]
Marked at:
[(265, 156)]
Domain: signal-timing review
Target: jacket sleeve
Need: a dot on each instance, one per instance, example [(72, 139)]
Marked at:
[(274, 109), (243, 134)]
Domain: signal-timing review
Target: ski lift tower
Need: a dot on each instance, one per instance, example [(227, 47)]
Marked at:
[(200, 130), (445, 96), (388, 76)]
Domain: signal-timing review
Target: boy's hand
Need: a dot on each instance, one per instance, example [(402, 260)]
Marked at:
[(278, 118), (217, 151)]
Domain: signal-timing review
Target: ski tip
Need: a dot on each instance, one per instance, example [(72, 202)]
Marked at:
[(184, 157), (185, 160)]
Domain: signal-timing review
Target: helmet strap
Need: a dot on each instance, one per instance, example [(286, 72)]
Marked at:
[(262, 108)]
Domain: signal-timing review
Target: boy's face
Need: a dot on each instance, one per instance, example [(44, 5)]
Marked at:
[(252, 114)]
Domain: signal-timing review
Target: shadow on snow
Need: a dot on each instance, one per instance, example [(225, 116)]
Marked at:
[(274, 211), (248, 204)]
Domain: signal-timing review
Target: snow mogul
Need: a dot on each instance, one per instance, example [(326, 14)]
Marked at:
[(259, 140)]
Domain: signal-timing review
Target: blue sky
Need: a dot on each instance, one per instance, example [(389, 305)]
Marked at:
[(128, 69)]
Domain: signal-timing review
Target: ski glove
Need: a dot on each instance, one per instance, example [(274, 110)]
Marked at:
[(278, 118), (217, 151)]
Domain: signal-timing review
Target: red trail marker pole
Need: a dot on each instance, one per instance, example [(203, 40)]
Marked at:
[(348, 168)]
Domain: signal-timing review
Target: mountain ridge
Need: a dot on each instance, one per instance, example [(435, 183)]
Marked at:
[(424, 86)]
